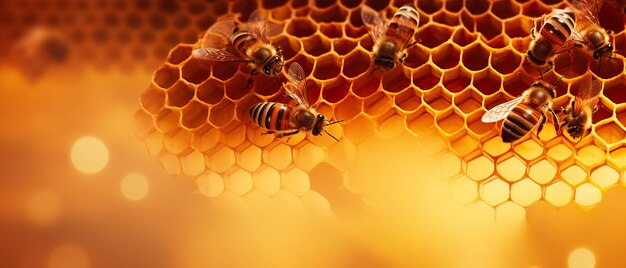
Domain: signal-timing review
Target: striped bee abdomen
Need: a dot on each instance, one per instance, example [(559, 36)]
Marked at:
[(403, 24), (242, 40), (558, 28), (272, 116), (521, 120)]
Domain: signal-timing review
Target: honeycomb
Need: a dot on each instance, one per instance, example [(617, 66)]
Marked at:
[(192, 117)]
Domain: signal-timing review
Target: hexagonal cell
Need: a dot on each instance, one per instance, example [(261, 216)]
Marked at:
[(560, 152), (170, 163), (481, 210), (446, 18), (193, 163), (479, 168), (505, 61), (591, 155), (494, 191), (194, 115), (167, 121), (342, 46), (408, 100), (315, 45), (225, 71), (477, 7), (359, 62), (525, 192), (277, 155), (180, 94), (433, 36), (477, 126), (296, 181), (489, 26), (450, 121), (234, 134), (604, 176), (505, 10), (165, 76), (587, 195), (195, 71), (377, 104), (152, 99), (619, 156), (487, 82), (177, 142), (205, 138), (308, 156), (335, 90), (342, 154), (463, 37), (325, 179), (396, 80), (495, 146), (290, 46), (574, 175), (390, 124), (267, 180), (468, 101), (365, 85), (348, 108), (419, 121), (210, 184), (529, 149), (463, 190), (446, 56), (559, 194), (437, 99), (301, 27), (143, 123), (542, 172), (535, 9), (516, 84), (464, 145), (614, 89), (518, 27), (610, 132), (210, 92), (456, 80), (426, 77), (511, 169), (221, 159), (450, 164), (249, 158), (416, 56), (222, 113), (608, 69), (239, 182), (510, 212), (475, 57)]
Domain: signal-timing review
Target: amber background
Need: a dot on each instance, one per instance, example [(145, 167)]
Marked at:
[(96, 93)]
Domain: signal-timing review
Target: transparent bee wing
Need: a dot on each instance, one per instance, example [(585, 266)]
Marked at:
[(588, 93), (501, 111), (373, 22), (257, 26), (297, 89), (215, 54), (217, 36), (587, 9)]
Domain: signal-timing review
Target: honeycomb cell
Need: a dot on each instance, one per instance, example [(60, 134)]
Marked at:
[(446, 56), (239, 182), (267, 180), (456, 80), (249, 158), (152, 99), (295, 181), (315, 45), (559, 194), (529, 149), (194, 115), (479, 168), (542, 172), (377, 104), (360, 61), (392, 126), (591, 155), (221, 159), (505, 10), (222, 113), (210, 92), (511, 169), (277, 155), (463, 190), (604, 176), (610, 132), (494, 191), (210, 185), (193, 163), (301, 27), (170, 163), (437, 99), (426, 77), (194, 71), (487, 82), (433, 36), (505, 61), (335, 90), (395, 81), (525, 192), (166, 121), (464, 145), (468, 101), (475, 57), (166, 76), (180, 94), (495, 146), (587, 195), (560, 152), (408, 100), (510, 212), (463, 37)]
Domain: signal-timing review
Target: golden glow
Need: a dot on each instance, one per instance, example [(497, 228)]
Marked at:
[(68, 256), (542, 172), (43, 208), (510, 212), (210, 185), (134, 186), (574, 175), (581, 258), (479, 168), (239, 182), (587, 195), (559, 194), (605, 176), (525, 192), (89, 155), (512, 169), (495, 191)]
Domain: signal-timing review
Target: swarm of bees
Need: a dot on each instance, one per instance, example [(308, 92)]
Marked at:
[(563, 30)]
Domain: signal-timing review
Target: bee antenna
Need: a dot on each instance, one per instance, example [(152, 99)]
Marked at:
[(332, 123), (540, 73), (373, 70), (331, 135), (558, 80)]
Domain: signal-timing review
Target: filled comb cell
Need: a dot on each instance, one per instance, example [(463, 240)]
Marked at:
[(456, 80), (475, 57)]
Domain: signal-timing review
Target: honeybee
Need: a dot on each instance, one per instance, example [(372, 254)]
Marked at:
[(590, 34), (391, 40), (226, 41), (288, 119), (523, 113), (555, 37), (579, 111)]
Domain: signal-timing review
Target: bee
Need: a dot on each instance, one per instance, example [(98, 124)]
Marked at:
[(555, 37), (579, 111), (523, 113), (391, 40), (590, 35), (226, 41), (288, 119)]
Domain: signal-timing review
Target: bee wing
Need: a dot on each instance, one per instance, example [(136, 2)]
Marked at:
[(218, 35), (297, 89), (257, 26), (587, 9), (501, 111), (215, 54), (588, 94), (373, 22)]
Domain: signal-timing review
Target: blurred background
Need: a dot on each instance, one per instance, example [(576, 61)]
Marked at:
[(79, 189)]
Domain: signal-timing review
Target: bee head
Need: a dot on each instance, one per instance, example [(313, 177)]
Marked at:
[(319, 125), (384, 63), (575, 130), (603, 52), (274, 66)]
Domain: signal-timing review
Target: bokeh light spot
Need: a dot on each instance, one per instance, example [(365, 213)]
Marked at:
[(89, 155), (135, 186), (68, 256), (43, 208), (581, 258)]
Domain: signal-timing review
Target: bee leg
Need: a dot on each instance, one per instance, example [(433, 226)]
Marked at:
[(250, 79), (402, 58), (268, 132), (543, 121), (287, 134), (555, 120), (547, 70), (411, 44)]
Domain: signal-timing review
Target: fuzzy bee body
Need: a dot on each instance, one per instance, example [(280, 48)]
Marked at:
[(554, 38)]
